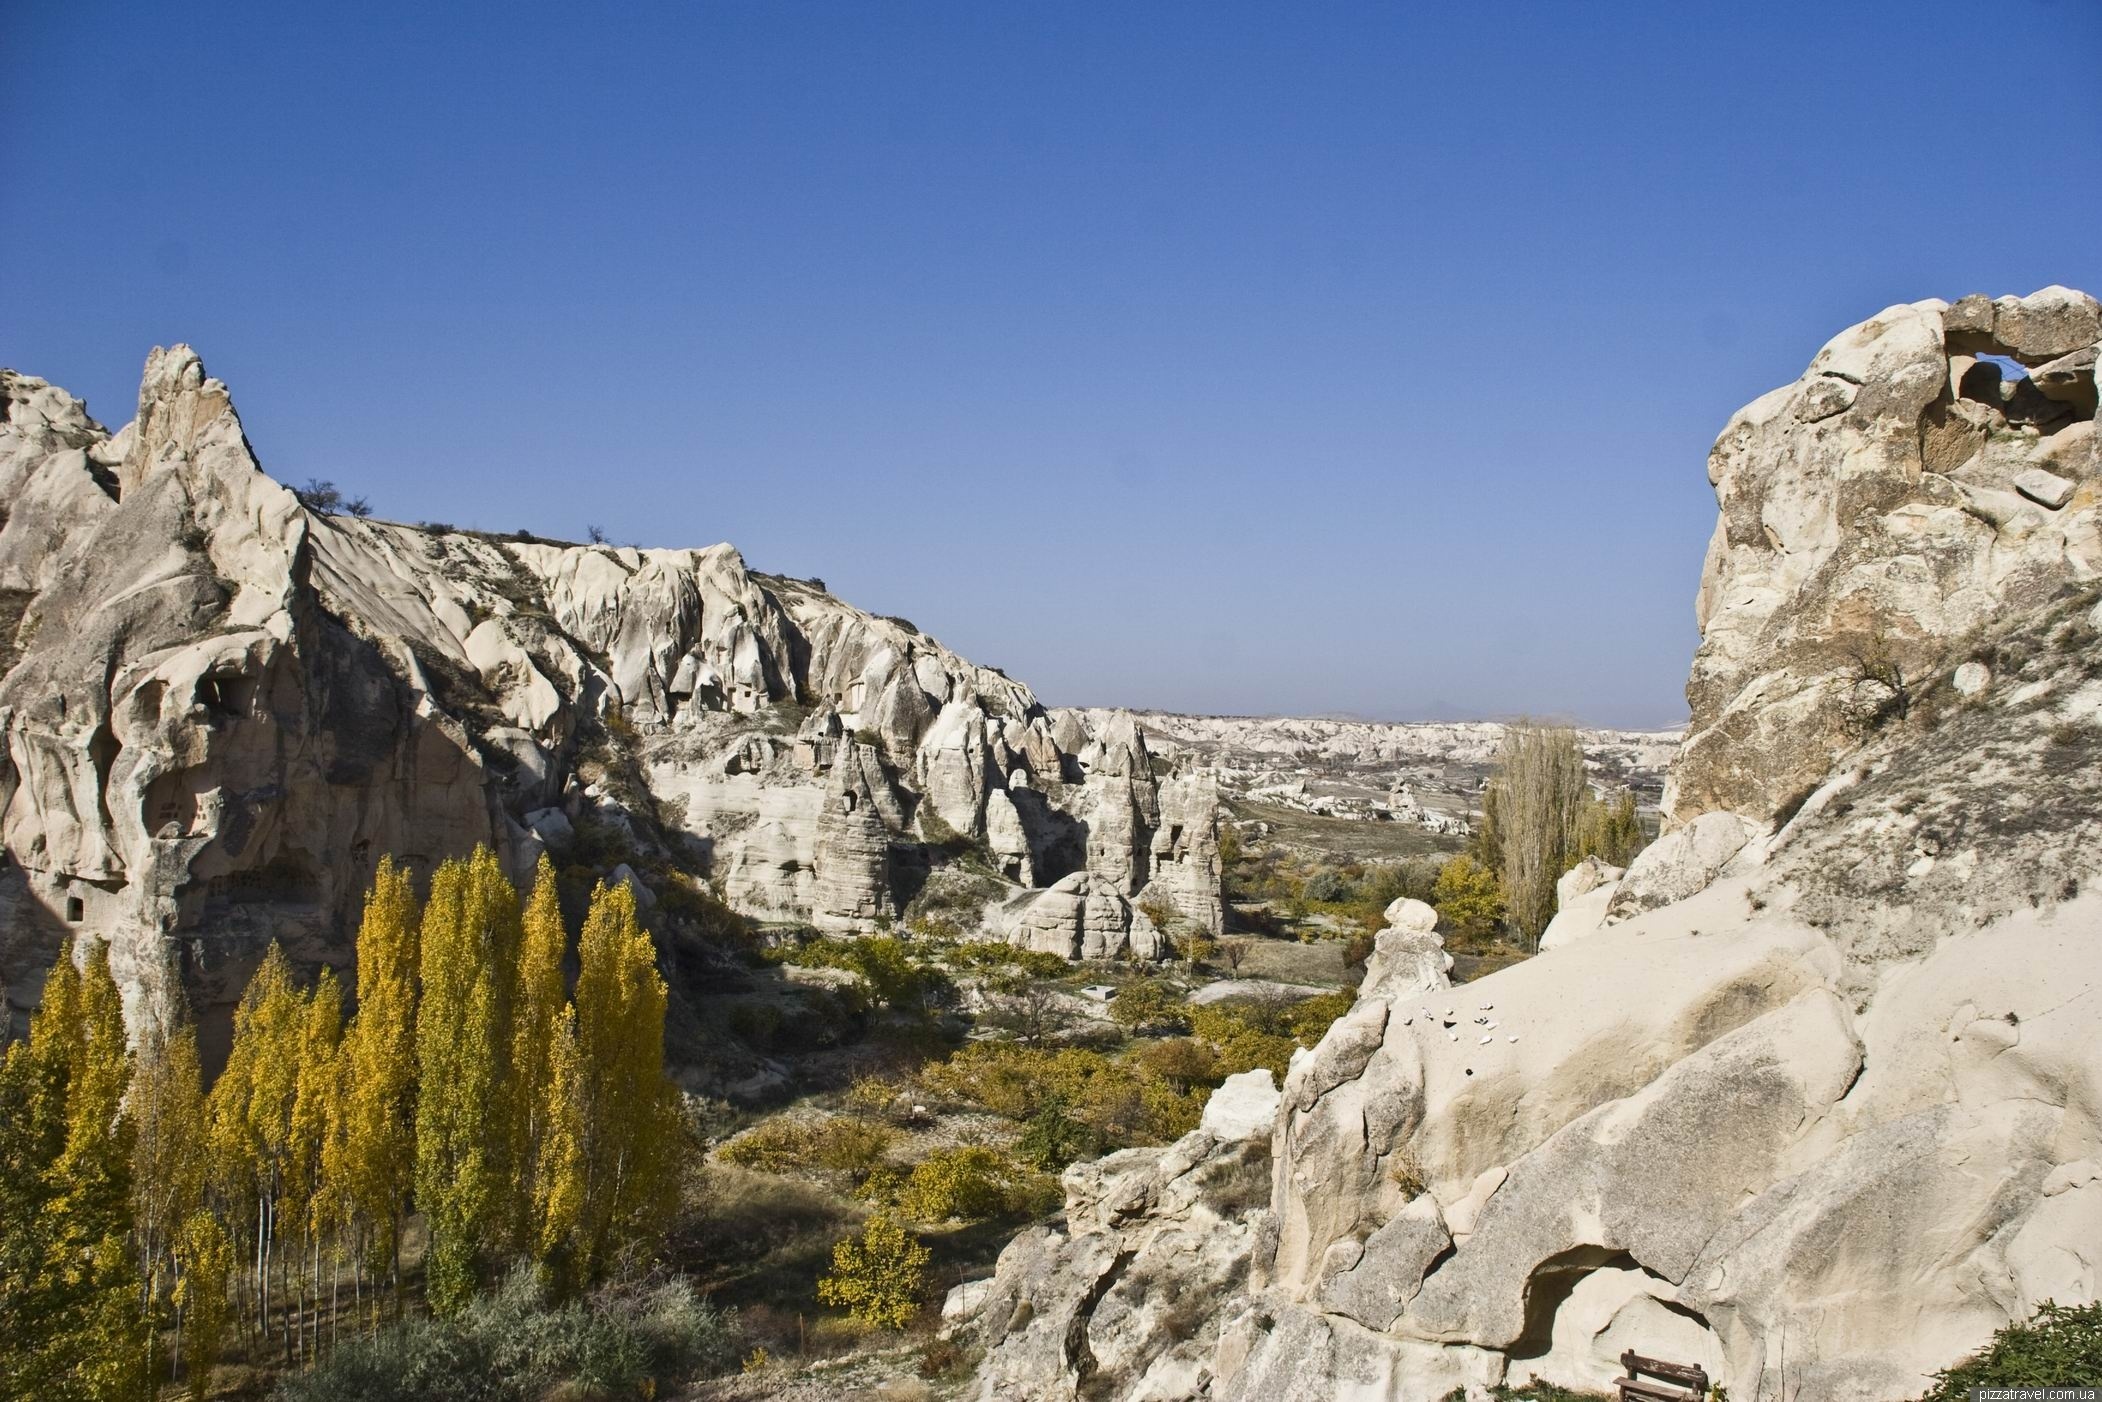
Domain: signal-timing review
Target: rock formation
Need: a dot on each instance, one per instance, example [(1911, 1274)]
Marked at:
[(1153, 1238), (1809, 1094), (1900, 497), (220, 709)]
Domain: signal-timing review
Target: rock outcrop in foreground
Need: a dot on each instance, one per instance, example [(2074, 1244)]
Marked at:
[(220, 709), (1811, 1094)]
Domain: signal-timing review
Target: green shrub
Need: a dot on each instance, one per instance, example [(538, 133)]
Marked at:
[(1052, 1138), (892, 975), (706, 912), (990, 954), (1182, 1062), (2057, 1346), (1328, 886), (1148, 1003), (1252, 1032), (1116, 1098), (758, 1024), (515, 1344), (1241, 1043)]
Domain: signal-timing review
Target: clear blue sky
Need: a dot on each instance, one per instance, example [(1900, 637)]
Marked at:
[(1228, 357)]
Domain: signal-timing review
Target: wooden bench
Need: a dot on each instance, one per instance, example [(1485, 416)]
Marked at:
[(1674, 1382)]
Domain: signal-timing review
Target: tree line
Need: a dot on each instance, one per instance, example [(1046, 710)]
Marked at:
[(146, 1221)]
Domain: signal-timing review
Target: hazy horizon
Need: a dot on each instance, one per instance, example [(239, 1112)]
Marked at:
[(1200, 358)]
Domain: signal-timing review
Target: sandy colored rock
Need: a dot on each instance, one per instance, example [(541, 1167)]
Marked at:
[(222, 709)]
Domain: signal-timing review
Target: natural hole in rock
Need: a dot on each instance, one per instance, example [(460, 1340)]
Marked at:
[(225, 696), (1584, 1306), (103, 749)]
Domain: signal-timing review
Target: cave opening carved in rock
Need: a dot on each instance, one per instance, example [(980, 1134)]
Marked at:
[(1586, 1306)]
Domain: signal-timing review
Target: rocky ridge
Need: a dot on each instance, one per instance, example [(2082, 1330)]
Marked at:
[(220, 709), (1809, 1093), (1426, 773)]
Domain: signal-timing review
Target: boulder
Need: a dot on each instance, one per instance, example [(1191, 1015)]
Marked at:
[(2046, 489), (1242, 1108), (1678, 864), (1124, 1301), (1586, 876)]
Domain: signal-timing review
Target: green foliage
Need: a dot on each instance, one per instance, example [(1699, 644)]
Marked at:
[(1182, 1062), (1051, 1138), (1470, 900), (2058, 1345), (205, 1259), (464, 1029), (1148, 1004), (608, 1162), (699, 908), (1113, 1097), (892, 974), (1242, 1043), (1159, 912), (880, 1277), (990, 955), (516, 1345), (375, 1153), (1609, 830), (1331, 886), (1251, 1032)]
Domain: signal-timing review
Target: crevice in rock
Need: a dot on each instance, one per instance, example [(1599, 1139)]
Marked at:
[(1079, 1356)]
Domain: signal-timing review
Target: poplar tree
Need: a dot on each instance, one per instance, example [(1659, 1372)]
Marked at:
[(313, 1108), (558, 1179), (374, 1148), (250, 1110), (166, 1106), (68, 1287), (204, 1258), (541, 1020), (464, 1105), (1530, 815), (1610, 830), (615, 1104)]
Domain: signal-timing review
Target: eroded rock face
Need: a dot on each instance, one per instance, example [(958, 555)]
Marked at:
[(1808, 1095), (221, 709), (1894, 502), (1123, 1302)]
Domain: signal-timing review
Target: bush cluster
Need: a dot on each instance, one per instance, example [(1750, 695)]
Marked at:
[(969, 1183), (892, 975), (1252, 1032), (843, 1145), (2057, 1346), (516, 1344)]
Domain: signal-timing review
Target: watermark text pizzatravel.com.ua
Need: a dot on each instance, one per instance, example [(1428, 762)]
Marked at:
[(2036, 1394)]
